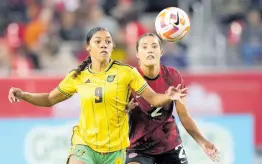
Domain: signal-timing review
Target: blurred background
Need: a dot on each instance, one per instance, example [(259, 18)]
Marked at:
[(220, 61)]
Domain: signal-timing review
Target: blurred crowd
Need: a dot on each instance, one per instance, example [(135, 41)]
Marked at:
[(49, 35)]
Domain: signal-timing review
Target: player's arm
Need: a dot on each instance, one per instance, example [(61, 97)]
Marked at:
[(188, 122), (185, 118), (38, 99), (44, 99), (191, 127), (65, 90), (154, 98), (139, 85)]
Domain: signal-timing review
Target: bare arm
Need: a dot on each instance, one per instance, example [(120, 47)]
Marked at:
[(191, 127), (154, 98), (38, 99), (158, 100), (188, 122)]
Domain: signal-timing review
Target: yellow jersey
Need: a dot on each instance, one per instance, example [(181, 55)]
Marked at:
[(103, 123)]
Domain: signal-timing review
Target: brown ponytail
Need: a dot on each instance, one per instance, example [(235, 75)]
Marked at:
[(82, 66)]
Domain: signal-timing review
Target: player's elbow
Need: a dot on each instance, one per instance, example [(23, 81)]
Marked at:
[(50, 101), (49, 105), (154, 101), (156, 104), (151, 97)]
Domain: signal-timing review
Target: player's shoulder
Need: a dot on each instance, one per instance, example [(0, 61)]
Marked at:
[(71, 75), (122, 65), (170, 70)]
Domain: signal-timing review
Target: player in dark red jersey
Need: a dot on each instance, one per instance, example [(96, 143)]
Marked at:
[(154, 135)]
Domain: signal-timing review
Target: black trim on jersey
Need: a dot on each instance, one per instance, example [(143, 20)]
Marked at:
[(122, 64), (155, 78), (141, 89), (111, 64), (68, 159), (94, 121), (108, 129), (108, 67), (71, 140), (63, 92), (117, 82), (128, 95)]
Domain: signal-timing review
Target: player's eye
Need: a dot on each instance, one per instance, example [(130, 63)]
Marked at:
[(144, 47), (97, 41), (155, 46), (109, 42)]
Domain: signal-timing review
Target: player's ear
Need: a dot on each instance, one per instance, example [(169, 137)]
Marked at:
[(88, 47), (137, 55), (162, 51)]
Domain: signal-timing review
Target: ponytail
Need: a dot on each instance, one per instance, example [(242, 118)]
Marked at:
[(82, 66)]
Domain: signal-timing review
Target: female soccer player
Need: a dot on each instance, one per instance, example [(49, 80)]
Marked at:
[(154, 134), (104, 87)]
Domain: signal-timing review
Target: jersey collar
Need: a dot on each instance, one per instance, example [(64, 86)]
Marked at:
[(148, 78), (107, 68)]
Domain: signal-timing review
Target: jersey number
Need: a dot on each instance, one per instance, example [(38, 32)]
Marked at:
[(156, 112), (182, 153), (98, 95)]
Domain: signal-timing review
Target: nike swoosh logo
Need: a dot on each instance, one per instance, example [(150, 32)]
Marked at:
[(177, 22), (183, 161)]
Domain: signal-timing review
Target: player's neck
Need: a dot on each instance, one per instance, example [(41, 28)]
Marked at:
[(151, 71), (98, 66)]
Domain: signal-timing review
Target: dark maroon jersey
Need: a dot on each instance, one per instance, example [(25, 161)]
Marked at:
[(153, 130)]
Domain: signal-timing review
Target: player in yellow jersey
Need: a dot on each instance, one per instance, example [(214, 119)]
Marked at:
[(104, 87)]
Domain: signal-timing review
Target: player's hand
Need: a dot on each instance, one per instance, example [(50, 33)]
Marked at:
[(211, 151), (15, 94), (176, 93), (131, 105)]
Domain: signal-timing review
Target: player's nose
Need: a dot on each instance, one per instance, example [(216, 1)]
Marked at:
[(103, 45), (150, 52)]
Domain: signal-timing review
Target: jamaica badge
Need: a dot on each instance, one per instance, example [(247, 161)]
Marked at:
[(110, 78)]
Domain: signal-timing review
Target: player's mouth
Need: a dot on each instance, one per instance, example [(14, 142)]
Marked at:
[(150, 57), (104, 52)]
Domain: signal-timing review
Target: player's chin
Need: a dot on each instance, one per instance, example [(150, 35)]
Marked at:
[(104, 58), (150, 63)]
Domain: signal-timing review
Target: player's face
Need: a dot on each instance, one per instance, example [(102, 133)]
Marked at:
[(149, 51), (101, 46)]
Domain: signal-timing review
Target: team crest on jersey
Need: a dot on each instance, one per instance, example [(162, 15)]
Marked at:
[(110, 78)]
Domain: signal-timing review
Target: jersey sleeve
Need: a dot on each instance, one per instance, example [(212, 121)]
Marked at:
[(178, 79), (67, 85), (137, 82)]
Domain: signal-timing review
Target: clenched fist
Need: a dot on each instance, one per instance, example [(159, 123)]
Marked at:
[(15, 94)]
